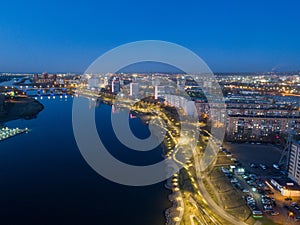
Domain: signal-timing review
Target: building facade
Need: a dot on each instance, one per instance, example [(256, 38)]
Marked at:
[(294, 163), (115, 85), (257, 128), (134, 89)]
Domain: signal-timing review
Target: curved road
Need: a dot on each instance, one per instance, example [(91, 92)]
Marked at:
[(211, 203)]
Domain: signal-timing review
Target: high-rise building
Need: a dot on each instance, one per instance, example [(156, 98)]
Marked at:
[(115, 85), (159, 92), (180, 84), (189, 108), (103, 82), (174, 100), (134, 89), (155, 81), (294, 162), (93, 83)]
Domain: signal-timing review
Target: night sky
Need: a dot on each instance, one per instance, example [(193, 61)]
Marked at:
[(231, 36)]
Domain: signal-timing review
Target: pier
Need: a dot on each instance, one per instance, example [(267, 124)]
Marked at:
[(6, 132)]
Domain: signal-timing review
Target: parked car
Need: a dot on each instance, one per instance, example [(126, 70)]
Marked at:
[(264, 167), (229, 154), (276, 166), (273, 213), (293, 204)]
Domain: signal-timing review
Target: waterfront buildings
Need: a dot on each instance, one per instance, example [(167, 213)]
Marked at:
[(134, 89), (115, 85), (259, 107), (180, 102), (294, 162), (159, 92), (93, 83)]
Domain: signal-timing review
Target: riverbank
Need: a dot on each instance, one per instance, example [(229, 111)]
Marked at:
[(174, 213), (20, 108)]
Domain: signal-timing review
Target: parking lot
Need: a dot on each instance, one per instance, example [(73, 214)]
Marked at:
[(258, 160), (256, 154)]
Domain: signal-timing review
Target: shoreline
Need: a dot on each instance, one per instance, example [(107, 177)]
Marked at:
[(171, 197), (171, 212)]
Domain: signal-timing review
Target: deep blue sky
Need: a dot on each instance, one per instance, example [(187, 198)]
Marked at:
[(254, 35)]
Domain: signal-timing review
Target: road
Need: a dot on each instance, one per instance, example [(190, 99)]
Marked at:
[(211, 203)]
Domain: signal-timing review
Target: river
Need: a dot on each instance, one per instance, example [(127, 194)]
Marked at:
[(45, 180)]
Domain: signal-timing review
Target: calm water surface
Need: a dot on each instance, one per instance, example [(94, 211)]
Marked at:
[(45, 180)]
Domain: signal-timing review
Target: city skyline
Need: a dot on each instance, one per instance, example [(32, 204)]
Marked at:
[(253, 143)]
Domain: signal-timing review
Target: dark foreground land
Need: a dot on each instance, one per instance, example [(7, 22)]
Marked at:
[(20, 107)]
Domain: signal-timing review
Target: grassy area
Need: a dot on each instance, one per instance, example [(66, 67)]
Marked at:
[(266, 221), (210, 191), (230, 196), (185, 182), (196, 222)]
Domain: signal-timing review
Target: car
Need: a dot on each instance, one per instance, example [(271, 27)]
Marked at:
[(265, 202), (253, 176), (229, 154), (273, 213), (268, 208), (234, 180), (276, 166), (245, 190), (293, 204), (264, 167), (245, 177)]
